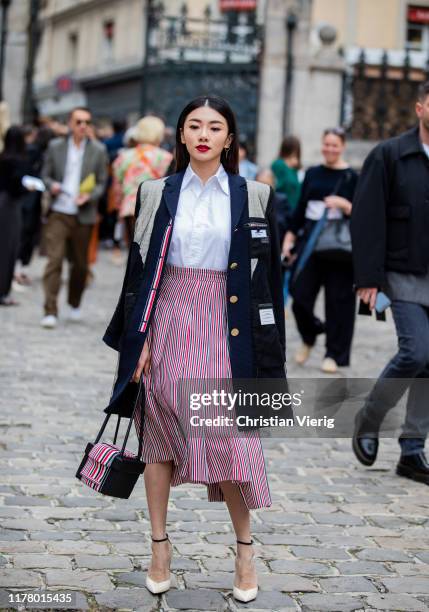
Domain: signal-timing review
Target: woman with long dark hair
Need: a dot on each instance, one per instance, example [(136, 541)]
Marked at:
[(13, 166), (201, 300), (329, 185)]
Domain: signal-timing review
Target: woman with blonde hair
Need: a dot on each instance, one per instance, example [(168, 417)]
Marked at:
[(147, 160)]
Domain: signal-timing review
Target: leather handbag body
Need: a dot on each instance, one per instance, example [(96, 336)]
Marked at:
[(334, 242), (108, 468)]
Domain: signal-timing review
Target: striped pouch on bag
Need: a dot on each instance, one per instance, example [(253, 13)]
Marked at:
[(100, 458), (111, 470)]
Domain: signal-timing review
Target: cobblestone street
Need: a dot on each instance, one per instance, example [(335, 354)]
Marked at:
[(338, 537)]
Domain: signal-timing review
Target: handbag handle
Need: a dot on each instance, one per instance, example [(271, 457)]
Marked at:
[(106, 420), (137, 403)]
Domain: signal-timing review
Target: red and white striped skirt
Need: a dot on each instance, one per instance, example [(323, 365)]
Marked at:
[(188, 340)]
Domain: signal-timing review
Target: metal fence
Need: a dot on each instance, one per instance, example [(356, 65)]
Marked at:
[(232, 38), (188, 56), (379, 96)]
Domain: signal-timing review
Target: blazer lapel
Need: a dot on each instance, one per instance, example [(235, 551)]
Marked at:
[(61, 158), (171, 192), (86, 161), (238, 191)]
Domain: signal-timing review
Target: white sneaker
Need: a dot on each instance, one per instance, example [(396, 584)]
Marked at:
[(75, 314), (18, 288), (49, 322), (329, 366), (302, 354)]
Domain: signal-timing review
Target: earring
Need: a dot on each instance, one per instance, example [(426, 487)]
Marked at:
[(227, 152)]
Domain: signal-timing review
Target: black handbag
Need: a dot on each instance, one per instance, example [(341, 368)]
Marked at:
[(335, 241), (111, 470)]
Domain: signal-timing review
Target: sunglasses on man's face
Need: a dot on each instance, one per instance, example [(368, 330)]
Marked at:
[(83, 121)]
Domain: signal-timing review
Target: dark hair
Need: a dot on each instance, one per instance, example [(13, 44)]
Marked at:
[(423, 91), (230, 160), (337, 131), (79, 108), (44, 136), (290, 146), (119, 125), (14, 142)]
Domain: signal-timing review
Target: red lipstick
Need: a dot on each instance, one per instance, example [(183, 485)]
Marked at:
[(203, 148)]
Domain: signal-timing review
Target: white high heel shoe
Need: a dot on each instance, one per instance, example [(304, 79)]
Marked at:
[(244, 595), (158, 587)]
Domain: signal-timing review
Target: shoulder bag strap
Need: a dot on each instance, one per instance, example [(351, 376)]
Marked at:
[(315, 233)]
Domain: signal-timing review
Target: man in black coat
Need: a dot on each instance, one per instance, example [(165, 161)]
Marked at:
[(390, 234)]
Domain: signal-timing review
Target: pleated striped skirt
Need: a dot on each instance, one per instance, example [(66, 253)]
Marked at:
[(188, 340)]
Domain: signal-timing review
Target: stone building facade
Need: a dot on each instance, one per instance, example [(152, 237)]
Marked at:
[(307, 74), (359, 64), (16, 59)]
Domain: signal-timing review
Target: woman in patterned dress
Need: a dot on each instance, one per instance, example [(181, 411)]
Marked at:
[(147, 160)]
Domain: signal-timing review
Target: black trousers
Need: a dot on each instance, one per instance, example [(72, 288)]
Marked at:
[(10, 231), (340, 306), (31, 224)]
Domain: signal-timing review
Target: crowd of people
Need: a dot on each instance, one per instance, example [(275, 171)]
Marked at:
[(91, 173), (202, 295), (65, 187)]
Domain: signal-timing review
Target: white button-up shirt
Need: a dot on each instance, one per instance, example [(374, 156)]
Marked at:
[(202, 228), (65, 202)]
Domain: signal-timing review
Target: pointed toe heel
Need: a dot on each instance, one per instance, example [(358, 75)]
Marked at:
[(158, 587), (244, 595)]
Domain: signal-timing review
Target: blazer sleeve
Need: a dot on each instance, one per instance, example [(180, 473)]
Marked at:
[(368, 221), (275, 272), (115, 329)]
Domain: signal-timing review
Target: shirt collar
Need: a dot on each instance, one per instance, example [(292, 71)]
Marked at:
[(82, 146), (221, 177)]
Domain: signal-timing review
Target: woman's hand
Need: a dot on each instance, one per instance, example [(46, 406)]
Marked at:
[(143, 364), (288, 244), (342, 204)]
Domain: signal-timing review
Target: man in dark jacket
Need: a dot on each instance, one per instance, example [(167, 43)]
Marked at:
[(390, 229)]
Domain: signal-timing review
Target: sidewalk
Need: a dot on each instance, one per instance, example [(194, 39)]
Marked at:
[(338, 537)]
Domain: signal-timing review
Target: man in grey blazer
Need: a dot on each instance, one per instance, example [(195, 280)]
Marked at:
[(75, 173)]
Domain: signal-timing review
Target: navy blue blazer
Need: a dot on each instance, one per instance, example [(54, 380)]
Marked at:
[(257, 349)]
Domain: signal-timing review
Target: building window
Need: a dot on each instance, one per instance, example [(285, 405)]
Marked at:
[(108, 39), (73, 50), (417, 38)]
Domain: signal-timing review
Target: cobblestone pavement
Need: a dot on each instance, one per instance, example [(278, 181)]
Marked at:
[(337, 538)]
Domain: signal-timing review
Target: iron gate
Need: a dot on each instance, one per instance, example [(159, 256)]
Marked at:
[(187, 57), (379, 97)]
